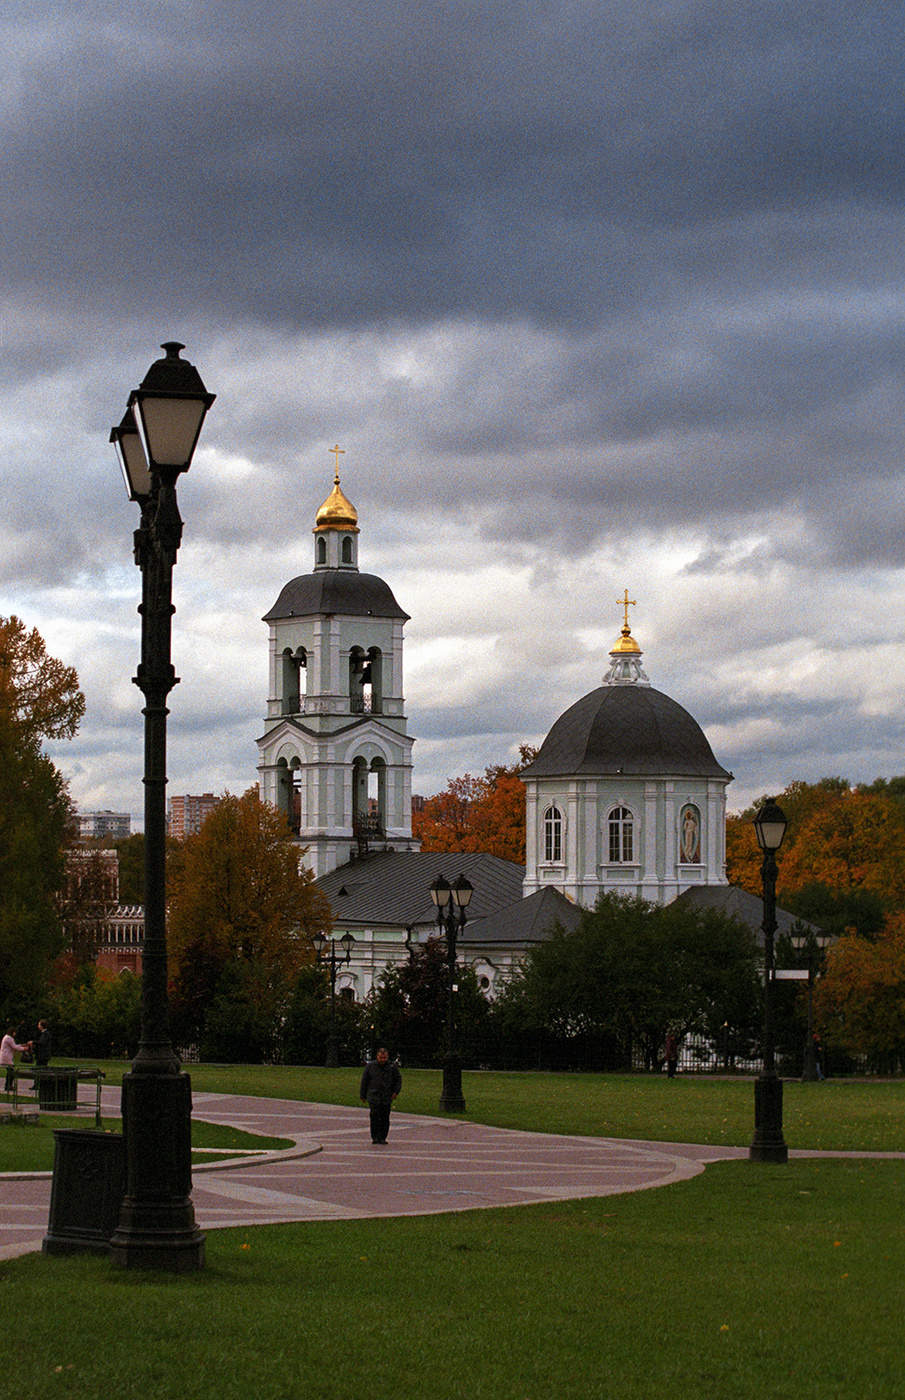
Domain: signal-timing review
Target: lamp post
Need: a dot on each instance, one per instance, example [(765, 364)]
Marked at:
[(810, 942), (451, 903), (155, 442), (320, 943), (768, 1144)]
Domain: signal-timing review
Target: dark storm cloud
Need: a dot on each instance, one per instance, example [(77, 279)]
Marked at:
[(321, 163)]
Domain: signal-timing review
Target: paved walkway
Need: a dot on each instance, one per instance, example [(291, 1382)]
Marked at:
[(334, 1172)]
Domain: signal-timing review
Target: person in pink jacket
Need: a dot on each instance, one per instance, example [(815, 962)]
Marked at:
[(8, 1050)]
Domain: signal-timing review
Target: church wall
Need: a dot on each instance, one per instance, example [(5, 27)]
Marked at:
[(657, 871)]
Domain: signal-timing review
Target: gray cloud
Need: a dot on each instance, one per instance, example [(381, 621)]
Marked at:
[(593, 296)]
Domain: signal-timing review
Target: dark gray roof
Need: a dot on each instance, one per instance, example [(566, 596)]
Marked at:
[(628, 729), (529, 920), (747, 908), (343, 591), (392, 888)]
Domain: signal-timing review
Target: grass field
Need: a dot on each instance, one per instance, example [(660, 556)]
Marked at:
[(836, 1115), (29, 1148), (748, 1283)]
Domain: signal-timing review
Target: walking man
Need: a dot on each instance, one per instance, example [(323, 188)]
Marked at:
[(380, 1085)]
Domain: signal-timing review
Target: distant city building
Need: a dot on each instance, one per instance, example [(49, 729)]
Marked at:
[(186, 814), (98, 928), (104, 826), (122, 936)]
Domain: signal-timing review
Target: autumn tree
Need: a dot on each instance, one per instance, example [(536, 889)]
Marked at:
[(243, 912), (479, 813), (841, 854), (39, 700), (859, 1002)]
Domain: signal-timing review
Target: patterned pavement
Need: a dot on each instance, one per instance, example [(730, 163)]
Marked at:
[(334, 1172)]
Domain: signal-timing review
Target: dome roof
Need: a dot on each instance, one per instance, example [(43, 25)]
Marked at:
[(628, 729), (342, 591), (337, 512)]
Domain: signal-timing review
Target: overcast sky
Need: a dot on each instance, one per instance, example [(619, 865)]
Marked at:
[(595, 295)]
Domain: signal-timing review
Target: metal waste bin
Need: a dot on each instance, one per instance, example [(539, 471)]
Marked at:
[(57, 1089), (89, 1181)]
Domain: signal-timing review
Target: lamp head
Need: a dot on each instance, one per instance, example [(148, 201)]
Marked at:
[(462, 891), (169, 407), (132, 460), (440, 892), (770, 826)]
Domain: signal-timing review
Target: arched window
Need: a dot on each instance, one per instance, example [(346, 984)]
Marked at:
[(553, 834), (622, 836), (321, 550), (347, 550)]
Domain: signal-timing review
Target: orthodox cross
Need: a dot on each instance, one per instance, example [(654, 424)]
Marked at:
[(626, 602), (340, 452)]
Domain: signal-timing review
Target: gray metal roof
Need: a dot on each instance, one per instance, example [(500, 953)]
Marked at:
[(747, 908), (392, 888), (342, 591), (626, 729), (529, 920)]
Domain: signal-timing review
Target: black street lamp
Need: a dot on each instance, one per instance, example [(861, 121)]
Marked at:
[(810, 942), (155, 442), (768, 1144), (320, 943), (451, 903)]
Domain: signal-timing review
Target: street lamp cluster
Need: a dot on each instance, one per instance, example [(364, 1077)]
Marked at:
[(810, 943), (155, 442), (320, 944), (768, 1144), (451, 902)]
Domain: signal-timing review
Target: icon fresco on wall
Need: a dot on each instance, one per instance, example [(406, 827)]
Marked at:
[(690, 834)]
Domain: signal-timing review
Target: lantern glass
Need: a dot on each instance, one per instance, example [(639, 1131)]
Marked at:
[(440, 892), (132, 460), (770, 826), (462, 891)]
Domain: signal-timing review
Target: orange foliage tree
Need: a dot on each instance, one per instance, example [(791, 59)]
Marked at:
[(243, 912), (859, 1003), (843, 839), (478, 814)]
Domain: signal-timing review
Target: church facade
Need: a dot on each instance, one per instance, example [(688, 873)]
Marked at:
[(625, 794), (336, 755)]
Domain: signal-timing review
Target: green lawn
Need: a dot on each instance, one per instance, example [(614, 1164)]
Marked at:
[(748, 1282), (838, 1114), (26, 1147)]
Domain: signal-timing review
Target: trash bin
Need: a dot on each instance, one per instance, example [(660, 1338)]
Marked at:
[(89, 1181), (57, 1089)]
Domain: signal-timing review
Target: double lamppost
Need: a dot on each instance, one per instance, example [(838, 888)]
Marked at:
[(155, 442), (451, 902), (320, 943), (810, 942), (768, 1144)]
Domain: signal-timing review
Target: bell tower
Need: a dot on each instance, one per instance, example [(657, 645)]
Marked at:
[(335, 755)]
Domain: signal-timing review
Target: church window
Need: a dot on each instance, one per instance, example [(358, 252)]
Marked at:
[(347, 550), (294, 680), (321, 550), (553, 834), (622, 836)]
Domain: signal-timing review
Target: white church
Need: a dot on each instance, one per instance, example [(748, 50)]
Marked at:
[(625, 792)]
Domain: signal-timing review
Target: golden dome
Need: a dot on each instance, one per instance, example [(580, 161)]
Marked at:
[(626, 643), (337, 512)]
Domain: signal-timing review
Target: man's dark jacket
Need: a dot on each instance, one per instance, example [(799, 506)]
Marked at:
[(380, 1082)]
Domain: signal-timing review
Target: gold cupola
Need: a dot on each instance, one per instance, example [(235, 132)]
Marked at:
[(625, 663), (337, 512)]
